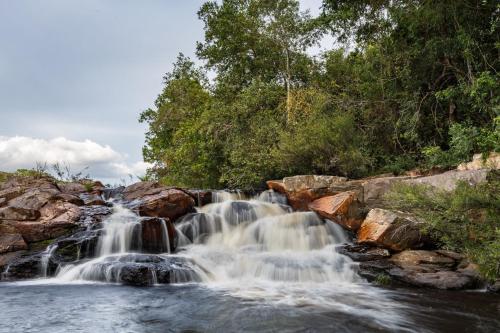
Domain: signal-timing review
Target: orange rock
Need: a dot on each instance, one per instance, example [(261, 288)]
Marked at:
[(342, 208), (392, 230), (276, 185)]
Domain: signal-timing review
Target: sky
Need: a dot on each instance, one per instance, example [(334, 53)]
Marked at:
[(76, 74)]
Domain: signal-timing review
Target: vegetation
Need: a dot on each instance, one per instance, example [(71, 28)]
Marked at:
[(466, 220), (409, 83)]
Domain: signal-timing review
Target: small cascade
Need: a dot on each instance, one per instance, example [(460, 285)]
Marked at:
[(44, 262)]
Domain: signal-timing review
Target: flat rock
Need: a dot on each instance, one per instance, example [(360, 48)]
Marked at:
[(343, 208)]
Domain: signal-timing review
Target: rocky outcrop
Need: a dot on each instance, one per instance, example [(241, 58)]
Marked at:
[(392, 230), (141, 189), (344, 209), (158, 235), (168, 203), (374, 189), (448, 181), (10, 239), (478, 162)]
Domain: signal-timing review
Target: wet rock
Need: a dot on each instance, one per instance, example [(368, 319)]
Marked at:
[(393, 230), (363, 253), (29, 267), (7, 258), (18, 213), (78, 246), (169, 203), (200, 197), (239, 212), (197, 226), (92, 199), (450, 280), (93, 215), (274, 197), (343, 208), (113, 193), (158, 235), (494, 287)]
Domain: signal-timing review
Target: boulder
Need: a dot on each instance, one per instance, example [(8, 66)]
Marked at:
[(34, 198), (200, 197), (450, 280), (92, 199), (18, 213), (478, 162), (169, 203), (29, 267), (141, 189), (392, 230), (422, 259), (66, 197), (343, 208), (196, 226), (362, 253), (11, 193), (7, 258), (276, 185), (158, 235), (447, 181), (73, 188), (10, 239), (307, 182)]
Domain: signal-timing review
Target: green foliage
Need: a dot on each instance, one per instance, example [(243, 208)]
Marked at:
[(466, 220), (383, 279), (408, 84)]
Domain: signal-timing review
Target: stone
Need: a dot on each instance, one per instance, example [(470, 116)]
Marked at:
[(276, 185), (449, 280), (169, 203), (307, 182), (92, 199), (11, 193), (72, 188), (363, 253), (38, 231), (447, 181), (374, 189), (34, 198), (195, 227), (422, 258), (343, 208), (141, 189), (10, 239), (66, 197), (478, 162), (7, 258), (154, 233), (18, 213), (200, 197), (392, 230)]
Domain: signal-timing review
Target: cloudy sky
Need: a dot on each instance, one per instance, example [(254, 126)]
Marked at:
[(74, 76)]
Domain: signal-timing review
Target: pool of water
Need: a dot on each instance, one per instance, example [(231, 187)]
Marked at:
[(45, 306)]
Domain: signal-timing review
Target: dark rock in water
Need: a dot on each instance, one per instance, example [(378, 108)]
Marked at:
[(239, 212), (363, 253), (201, 197), (92, 215), (273, 196), (158, 235), (142, 270), (196, 226), (7, 258), (494, 287), (78, 246), (113, 193), (92, 199), (29, 267)]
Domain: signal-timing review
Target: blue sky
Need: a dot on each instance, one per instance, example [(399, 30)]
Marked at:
[(75, 74)]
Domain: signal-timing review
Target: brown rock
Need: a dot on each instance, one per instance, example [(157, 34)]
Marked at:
[(7, 258), (375, 189), (66, 197), (438, 280), (276, 185), (410, 258), (307, 182), (18, 213), (448, 181), (141, 189), (478, 162), (11, 193), (34, 198), (72, 188), (38, 231), (10, 239), (395, 231), (154, 233), (169, 203), (343, 208)]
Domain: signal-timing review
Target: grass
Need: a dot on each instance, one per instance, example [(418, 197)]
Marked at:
[(466, 220)]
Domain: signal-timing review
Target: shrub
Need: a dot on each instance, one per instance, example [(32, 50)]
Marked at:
[(466, 220)]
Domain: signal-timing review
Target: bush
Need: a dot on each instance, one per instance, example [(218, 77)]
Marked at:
[(465, 220)]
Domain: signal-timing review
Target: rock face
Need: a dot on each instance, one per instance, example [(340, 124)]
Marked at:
[(154, 233), (447, 181), (169, 203), (391, 230), (343, 208), (10, 239), (374, 189)]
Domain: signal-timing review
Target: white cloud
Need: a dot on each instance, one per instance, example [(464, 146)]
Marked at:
[(102, 161)]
